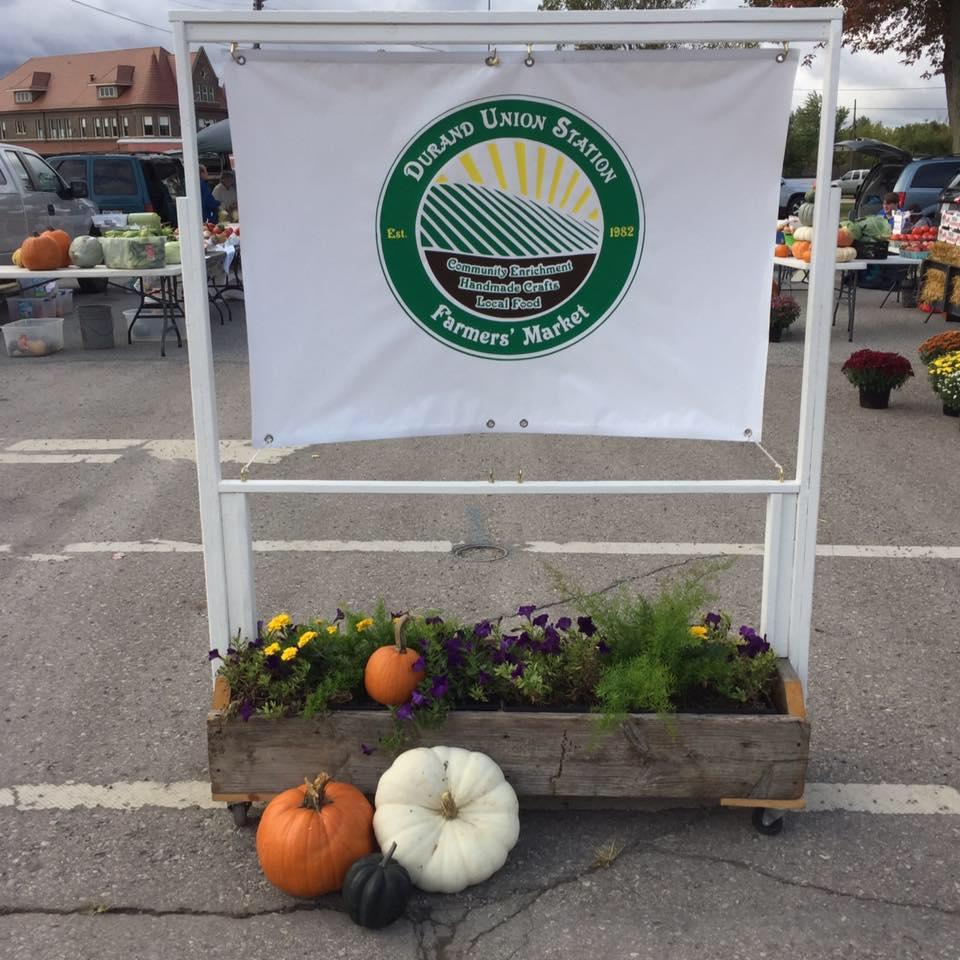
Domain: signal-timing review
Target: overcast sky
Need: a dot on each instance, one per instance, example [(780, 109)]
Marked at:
[(883, 88)]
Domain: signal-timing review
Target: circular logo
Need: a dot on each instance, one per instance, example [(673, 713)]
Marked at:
[(510, 228)]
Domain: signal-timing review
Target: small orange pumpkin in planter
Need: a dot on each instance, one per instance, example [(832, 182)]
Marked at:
[(310, 835), (40, 252), (63, 242), (389, 675)]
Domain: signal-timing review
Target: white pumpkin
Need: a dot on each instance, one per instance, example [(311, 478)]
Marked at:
[(803, 233), (845, 254), (451, 814)]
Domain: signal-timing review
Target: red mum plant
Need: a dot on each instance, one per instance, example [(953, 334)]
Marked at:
[(875, 370)]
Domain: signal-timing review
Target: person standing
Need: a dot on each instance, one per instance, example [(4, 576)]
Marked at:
[(209, 205)]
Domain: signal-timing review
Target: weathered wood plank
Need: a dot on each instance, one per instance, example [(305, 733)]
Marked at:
[(541, 754)]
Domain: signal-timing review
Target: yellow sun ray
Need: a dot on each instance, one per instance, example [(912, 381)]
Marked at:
[(566, 193), (594, 214), (557, 170), (497, 165), (441, 179), (472, 172), (520, 154), (584, 197), (541, 159)]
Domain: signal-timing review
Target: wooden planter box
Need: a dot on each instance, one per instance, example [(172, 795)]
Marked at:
[(748, 760)]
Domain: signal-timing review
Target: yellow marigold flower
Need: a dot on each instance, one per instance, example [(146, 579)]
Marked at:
[(271, 650), (332, 629), (289, 653), (306, 638), (280, 621), (363, 624), (698, 632)]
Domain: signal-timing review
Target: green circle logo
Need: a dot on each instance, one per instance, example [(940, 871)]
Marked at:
[(510, 228)]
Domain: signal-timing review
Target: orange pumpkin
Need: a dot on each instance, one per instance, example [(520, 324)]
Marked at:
[(801, 249), (844, 238), (309, 836), (40, 252), (389, 675), (781, 250), (63, 242)]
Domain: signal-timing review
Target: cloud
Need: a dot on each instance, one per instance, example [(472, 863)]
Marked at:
[(884, 89)]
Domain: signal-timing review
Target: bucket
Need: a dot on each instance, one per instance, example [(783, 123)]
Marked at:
[(96, 326)]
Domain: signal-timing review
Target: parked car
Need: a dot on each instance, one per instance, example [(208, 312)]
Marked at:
[(949, 194), (915, 180), (850, 182), (792, 192), (127, 182), (33, 197)]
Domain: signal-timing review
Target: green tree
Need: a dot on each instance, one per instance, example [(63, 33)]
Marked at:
[(916, 29), (803, 135), (604, 5)]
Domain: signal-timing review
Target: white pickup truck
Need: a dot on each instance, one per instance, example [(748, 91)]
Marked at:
[(792, 193), (34, 197)]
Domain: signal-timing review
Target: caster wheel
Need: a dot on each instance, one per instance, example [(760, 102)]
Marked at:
[(768, 822), (239, 812)]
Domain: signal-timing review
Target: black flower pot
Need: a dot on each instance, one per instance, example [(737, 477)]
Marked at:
[(776, 333), (875, 399), (949, 411)]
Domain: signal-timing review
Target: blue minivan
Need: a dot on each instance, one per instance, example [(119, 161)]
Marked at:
[(127, 182)]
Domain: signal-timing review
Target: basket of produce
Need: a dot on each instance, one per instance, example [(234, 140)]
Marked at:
[(133, 249)]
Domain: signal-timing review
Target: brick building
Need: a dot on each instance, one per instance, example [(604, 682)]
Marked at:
[(87, 102)]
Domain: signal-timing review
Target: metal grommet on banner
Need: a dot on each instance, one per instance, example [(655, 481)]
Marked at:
[(782, 55), (528, 60), (236, 55), (520, 475), (492, 60)]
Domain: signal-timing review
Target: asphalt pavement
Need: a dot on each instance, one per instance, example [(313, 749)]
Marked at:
[(105, 678)]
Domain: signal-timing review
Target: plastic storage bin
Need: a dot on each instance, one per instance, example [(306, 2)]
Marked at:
[(149, 325), (33, 337), (64, 302), (27, 308)]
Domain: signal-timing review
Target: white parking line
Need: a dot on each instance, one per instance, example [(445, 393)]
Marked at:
[(59, 457), (603, 548), (890, 799), (39, 446)]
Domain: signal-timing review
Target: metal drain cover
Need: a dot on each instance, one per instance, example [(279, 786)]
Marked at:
[(480, 552)]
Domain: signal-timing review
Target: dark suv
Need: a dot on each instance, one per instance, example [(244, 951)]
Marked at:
[(915, 180), (127, 182)]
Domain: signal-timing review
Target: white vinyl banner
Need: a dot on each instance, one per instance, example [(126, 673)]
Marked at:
[(435, 246)]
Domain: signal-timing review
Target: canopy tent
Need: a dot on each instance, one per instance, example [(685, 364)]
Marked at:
[(215, 138)]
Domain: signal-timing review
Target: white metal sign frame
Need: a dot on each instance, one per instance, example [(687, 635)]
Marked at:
[(792, 504)]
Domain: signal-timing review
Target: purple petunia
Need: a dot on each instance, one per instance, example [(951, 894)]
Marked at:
[(214, 655), (525, 611), (551, 641), (483, 629), (564, 623), (602, 648), (586, 626), (405, 711), (433, 621), (517, 671), (418, 665), (339, 615), (417, 698), (259, 629), (397, 616), (439, 687), (367, 750), (246, 710), (713, 619), (753, 644), (523, 640), (541, 621), (483, 678)]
